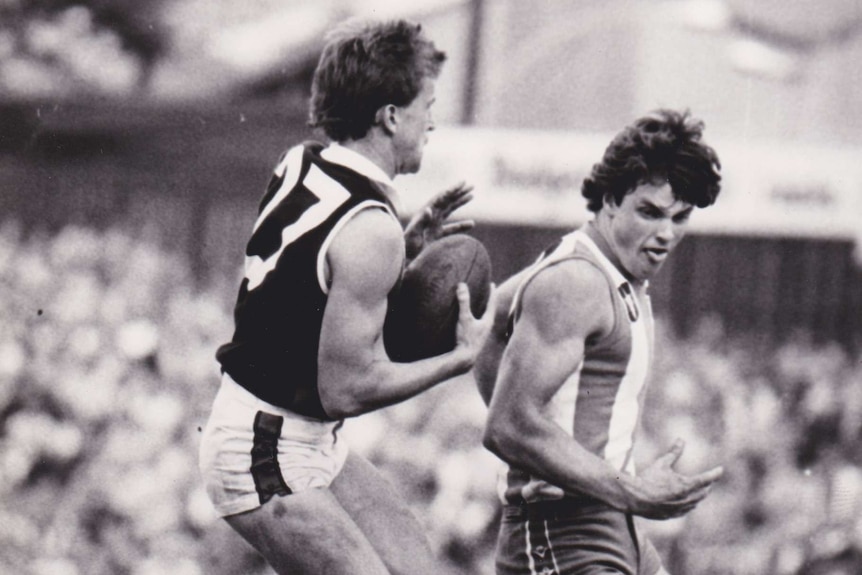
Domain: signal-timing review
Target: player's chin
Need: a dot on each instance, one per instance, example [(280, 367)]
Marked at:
[(414, 166), (652, 271), (647, 270), (409, 168)]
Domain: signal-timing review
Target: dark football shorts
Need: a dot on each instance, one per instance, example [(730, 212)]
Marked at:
[(572, 537)]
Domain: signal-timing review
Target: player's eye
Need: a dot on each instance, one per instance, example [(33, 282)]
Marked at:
[(650, 212), (682, 218)]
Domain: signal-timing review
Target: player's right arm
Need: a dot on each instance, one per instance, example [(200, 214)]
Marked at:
[(561, 307), (488, 363), (355, 374)]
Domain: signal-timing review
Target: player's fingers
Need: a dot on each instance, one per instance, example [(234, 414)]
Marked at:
[(491, 306), (447, 210), (456, 227), (697, 487), (681, 510), (674, 453), (670, 457), (448, 203), (685, 501), (458, 189), (707, 478), (463, 293), (440, 199), (692, 498)]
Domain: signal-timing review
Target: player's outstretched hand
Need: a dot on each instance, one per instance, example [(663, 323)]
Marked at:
[(472, 332), (430, 224), (663, 493)]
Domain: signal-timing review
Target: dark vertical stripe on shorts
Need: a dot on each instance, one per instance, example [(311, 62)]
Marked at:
[(265, 471)]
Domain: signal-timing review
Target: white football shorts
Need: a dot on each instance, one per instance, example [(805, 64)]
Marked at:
[(252, 450)]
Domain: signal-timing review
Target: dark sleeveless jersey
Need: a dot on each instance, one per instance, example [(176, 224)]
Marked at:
[(279, 309)]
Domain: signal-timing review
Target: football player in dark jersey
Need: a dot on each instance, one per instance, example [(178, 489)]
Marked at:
[(566, 367), (307, 351)]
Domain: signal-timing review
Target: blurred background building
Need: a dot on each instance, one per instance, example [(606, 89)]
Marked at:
[(136, 139)]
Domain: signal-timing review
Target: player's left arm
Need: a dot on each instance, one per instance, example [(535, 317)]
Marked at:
[(488, 363)]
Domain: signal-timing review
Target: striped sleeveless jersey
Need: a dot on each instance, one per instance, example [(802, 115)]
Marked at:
[(600, 402)]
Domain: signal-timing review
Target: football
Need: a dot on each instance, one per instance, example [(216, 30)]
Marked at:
[(423, 312)]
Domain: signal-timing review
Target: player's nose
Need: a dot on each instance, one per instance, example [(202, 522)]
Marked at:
[(666, 232)]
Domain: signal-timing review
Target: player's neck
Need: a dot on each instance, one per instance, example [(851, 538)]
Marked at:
[(597, 231), (376, 151)]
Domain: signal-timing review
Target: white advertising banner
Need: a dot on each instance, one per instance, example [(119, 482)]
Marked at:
[(534, 178)]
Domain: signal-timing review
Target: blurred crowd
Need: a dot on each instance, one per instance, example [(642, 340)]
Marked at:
[(785, 421), (107, 372)]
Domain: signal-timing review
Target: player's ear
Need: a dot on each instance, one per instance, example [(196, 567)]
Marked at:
[(387, 118), (609, 204)]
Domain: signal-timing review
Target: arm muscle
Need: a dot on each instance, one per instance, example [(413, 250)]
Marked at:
[(354, 373), (562, 306)]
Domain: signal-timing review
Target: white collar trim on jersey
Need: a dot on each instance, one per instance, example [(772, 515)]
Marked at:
[(623, 285), (338, 154), (619, 278)]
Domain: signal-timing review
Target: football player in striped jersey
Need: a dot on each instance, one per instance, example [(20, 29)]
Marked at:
[(566, 366), (325, 253)]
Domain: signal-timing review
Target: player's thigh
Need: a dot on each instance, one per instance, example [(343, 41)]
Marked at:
[(308, 533), (381, 512)]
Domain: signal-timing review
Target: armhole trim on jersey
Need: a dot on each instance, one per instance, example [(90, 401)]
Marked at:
[(515, 308), (562, 250), (324, 247), (617, 279)]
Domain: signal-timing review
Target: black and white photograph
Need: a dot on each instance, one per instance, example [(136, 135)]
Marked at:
[(433, 287)]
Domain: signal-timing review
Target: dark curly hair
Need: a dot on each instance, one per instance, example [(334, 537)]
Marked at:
[(662, 146), (365, 66)]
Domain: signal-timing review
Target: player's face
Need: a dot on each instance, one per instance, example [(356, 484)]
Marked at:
[(646, 227), (415, 121)]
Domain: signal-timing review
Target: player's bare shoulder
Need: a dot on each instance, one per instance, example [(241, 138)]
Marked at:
[(369, 244), (571, 295), (370, 226)]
